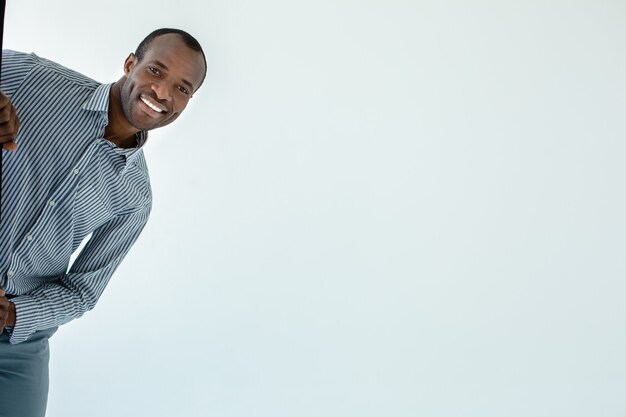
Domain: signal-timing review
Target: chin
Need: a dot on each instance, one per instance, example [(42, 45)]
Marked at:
[(140, 124)]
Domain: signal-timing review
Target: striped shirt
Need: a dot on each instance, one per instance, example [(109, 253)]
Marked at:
[(64, 183)]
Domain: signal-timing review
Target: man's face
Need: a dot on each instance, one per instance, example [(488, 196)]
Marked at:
[(158, 88)]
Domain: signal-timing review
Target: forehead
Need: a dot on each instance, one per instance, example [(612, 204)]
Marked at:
[(181, 60)]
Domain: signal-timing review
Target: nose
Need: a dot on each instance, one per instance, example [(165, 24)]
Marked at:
[(161, 91)]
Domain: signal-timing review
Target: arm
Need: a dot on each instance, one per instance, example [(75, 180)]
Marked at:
[(76, 292)]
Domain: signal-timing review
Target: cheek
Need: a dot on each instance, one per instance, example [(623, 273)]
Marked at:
[(180, 105), (125, 96), (129, 85)]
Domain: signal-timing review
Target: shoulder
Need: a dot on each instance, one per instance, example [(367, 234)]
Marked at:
[(16, 56), (42, 67), (15, 67)]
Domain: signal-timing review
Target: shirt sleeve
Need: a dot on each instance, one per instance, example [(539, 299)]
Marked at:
[(77, 292)]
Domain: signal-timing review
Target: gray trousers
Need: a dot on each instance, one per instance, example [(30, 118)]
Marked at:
[(24, 375)]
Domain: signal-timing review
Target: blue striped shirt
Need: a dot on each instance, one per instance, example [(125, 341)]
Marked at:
[(64, 183)]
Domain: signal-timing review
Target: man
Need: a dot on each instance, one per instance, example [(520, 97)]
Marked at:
[(73, 165)]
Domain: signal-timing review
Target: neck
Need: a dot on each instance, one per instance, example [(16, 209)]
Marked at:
[(119, 131)]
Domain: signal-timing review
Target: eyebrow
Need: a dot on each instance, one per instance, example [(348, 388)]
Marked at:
[(162, 65)]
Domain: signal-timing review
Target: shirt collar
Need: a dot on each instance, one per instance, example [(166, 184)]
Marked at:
[(128, 155), (141, 137), (99, 100)]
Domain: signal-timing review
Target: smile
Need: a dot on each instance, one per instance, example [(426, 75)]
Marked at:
[(157, 108)]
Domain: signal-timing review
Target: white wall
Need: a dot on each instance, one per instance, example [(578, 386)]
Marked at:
[(372, 208)]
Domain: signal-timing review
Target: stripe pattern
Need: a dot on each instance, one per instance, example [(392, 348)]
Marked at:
[(64, 183)]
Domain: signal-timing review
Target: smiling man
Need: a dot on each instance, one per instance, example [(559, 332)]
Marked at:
[(73, 166)]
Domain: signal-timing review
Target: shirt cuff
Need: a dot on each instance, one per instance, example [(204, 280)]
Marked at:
[(26, 318)]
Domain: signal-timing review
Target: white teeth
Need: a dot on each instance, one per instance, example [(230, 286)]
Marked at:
[(152, 106)]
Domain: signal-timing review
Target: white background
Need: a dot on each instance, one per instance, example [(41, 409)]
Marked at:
[(371, 208)]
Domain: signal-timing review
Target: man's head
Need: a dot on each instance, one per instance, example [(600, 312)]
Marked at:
[(160, 78)]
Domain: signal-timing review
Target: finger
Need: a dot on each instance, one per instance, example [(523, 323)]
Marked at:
[(9, 128), (5, 113), (13, 124), (9, 146), (6, 137), (11, 121), (2, 292), (16, 124), (7, 132), (7, 143)]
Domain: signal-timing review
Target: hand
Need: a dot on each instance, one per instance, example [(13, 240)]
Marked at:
[(7, 311), (9, 123)]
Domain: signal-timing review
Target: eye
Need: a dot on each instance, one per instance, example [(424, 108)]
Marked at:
[(154, 70), (183, 90)]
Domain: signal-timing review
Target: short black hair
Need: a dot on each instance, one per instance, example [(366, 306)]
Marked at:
[(189, 40)]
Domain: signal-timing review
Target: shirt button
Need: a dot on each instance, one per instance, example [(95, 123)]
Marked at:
[(29, 237), (98, 140), (10, 274), (52, 203), (76, 171)]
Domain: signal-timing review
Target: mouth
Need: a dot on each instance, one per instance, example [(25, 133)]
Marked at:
[(152, 105)]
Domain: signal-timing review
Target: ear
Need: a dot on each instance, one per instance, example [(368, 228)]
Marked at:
[(130, 63)]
